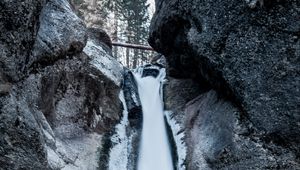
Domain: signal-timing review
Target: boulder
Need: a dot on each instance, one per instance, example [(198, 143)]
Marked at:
[(61, 33), (249, 54)]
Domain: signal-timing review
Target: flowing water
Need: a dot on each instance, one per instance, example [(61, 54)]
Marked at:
[(154, 151)]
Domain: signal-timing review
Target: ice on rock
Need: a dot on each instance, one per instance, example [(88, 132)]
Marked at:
[(118, 154)]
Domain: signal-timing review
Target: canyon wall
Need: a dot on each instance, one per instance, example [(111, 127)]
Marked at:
[(243, 56), (59, 87)]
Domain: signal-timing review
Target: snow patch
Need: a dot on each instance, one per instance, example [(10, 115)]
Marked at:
[(82, 153), (118, 154), (96, 118), (54, 161), (178, 135)]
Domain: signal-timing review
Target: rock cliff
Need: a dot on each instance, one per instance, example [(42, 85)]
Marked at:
[(244, 58), (59, 87)]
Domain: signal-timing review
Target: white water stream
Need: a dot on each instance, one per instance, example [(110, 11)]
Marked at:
[(154, 151)]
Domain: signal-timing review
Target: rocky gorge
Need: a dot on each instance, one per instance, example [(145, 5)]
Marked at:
[(232, 91)]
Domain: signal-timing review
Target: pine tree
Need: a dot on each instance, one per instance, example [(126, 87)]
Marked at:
[(124, 20), (92, 12), (135, 14)]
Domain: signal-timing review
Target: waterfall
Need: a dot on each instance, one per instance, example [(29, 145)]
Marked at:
[(154, 153)]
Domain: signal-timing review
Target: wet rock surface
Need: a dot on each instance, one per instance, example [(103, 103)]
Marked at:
[(135, 118), (132, 99), (59, 88), (249, 54)]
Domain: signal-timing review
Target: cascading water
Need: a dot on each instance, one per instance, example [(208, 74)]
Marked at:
[(154, 151)]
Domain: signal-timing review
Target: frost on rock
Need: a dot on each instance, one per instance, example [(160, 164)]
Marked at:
[(75, 154), (61, 32), (54, 161), (102, 61), (81, 153), (119, 153), (178, 135)]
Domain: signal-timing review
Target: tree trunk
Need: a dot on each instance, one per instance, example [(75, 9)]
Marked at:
[(134, 63), (115, 35), (127, 57)]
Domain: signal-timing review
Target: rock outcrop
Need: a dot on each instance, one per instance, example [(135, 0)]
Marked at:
[(59, 88), (19, 23), (249, 55)]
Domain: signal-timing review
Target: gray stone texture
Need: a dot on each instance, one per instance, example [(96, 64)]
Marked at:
[(56, 100), (248, 52)]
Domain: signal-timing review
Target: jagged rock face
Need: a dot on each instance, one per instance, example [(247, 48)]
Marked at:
[(21, 144), (19, 25), (217, 135), (53, 115), (222, 139), (57, 19), (248, 54)]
